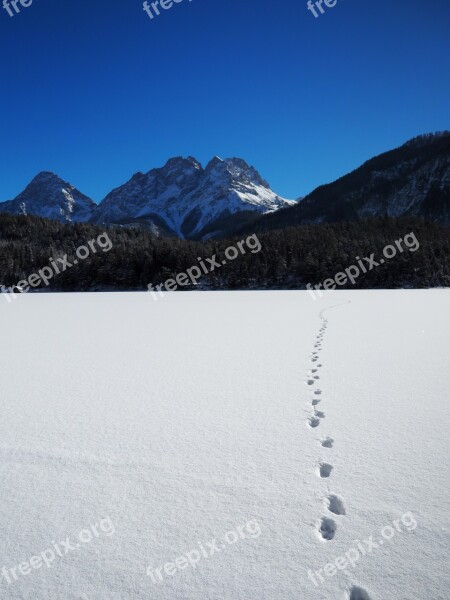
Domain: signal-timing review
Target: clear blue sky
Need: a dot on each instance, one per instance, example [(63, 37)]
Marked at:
[(94, 90)]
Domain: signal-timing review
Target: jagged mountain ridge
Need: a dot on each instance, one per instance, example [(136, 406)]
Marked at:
[(187, 201), (181, 199)]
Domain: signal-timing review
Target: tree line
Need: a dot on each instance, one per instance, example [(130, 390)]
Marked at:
[(289, 258)]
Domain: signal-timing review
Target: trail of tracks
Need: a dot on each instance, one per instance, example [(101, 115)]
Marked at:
[(330, 522)]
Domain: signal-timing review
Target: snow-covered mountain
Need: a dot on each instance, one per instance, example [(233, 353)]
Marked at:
[(181, 199), (49, 196), (189, 201), (185, 200)]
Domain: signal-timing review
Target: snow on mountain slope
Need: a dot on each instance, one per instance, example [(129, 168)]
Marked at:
[(180, 438), (50, 197), (186, 200)]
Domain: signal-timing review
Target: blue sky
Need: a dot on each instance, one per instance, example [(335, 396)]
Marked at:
[(95, 90)]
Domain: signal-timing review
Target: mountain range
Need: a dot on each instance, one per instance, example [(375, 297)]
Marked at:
[(182, 199)]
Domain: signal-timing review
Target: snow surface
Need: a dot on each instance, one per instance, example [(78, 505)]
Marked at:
[(188, 417)]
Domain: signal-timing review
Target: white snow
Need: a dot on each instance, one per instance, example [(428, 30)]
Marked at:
[(47, 195), (182, 193), (186, 418), (70, 200)]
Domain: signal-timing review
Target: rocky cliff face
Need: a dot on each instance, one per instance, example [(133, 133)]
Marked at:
[(189, 201)]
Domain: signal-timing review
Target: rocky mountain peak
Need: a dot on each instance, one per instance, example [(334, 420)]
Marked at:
[(49, 196)]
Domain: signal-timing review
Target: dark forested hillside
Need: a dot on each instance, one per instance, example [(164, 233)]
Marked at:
[(288, 259), (412, 180)]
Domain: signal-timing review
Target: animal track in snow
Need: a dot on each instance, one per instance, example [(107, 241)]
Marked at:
[(327, 528), (357, 593), (327, 442), (335, 505), (325, 469)]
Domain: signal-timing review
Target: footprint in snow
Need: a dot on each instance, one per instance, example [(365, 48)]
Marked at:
[(357, 593), (327, 528), (319, 414), (327, 442), (314, 422), (336, 505), (310, 382), (316, 401), (318, 392), (325, 470)]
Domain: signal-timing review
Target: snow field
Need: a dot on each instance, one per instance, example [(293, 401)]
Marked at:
[(184, 420)]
